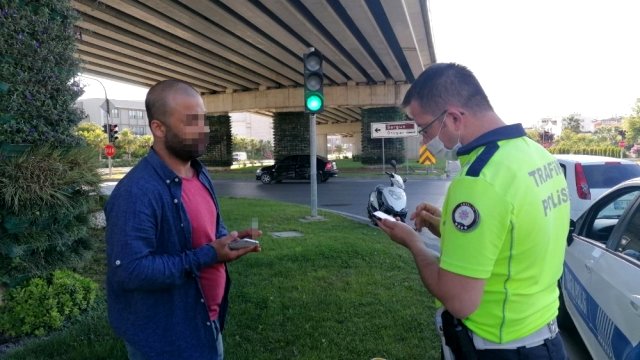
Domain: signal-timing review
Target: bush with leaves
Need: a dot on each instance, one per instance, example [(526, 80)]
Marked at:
[(46, 196), (47, 193), (41, 306), (93, 135), (37, 65)]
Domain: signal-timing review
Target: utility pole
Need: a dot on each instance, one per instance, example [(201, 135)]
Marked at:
[(108, 111)]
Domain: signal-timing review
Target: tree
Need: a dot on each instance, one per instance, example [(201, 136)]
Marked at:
[(143, 143), (48, 192), (572, 123), (255, 149), (631, 125), (570, 139), (93, 135), (533, 134), (127, 142), (608, 135)]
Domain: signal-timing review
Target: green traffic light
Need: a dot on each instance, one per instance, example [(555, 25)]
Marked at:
[(314, 103)]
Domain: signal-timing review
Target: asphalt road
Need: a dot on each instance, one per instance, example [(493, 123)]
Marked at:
[(349, 197)]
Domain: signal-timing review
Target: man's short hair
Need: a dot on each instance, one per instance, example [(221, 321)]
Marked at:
[(158, 100), (445, 83)]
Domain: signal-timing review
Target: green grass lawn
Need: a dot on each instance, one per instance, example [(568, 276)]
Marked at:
[(341, 291)]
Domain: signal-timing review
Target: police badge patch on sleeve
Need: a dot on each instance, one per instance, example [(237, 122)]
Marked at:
[(465, 216)]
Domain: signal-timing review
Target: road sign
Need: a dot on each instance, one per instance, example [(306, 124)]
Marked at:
[(622, 144), (109, 150), (393, 129), (106, 106), (425, 156)]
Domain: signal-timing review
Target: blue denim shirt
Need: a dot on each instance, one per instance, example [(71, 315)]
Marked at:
[(154, 297)]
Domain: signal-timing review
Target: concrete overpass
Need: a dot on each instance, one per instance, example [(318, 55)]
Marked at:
[(246, 55)]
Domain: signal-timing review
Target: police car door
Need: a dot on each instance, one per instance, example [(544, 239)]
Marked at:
[(598, 282), (615, 282)]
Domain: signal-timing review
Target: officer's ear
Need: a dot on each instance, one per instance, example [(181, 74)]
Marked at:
[(455, 117)]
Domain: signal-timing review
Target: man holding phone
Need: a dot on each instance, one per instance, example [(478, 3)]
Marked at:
[(167, 246)]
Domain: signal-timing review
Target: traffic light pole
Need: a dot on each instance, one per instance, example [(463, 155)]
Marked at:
[(313, 161), (106, 99)]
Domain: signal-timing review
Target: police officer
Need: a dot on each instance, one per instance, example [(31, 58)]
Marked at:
[(503, 225)]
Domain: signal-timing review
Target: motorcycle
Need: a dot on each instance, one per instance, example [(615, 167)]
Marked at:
[(391, 200)]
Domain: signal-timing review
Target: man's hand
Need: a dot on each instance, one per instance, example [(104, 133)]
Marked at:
[(400, 232), (222, 245), (427, 216)]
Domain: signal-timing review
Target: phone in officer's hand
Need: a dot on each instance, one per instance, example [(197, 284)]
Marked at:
[(380, 215)]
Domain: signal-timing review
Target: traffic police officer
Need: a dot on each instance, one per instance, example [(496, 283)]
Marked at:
[(503, 225)]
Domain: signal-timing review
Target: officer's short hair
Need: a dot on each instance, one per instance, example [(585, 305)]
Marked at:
[(444, 83), (158, 100)]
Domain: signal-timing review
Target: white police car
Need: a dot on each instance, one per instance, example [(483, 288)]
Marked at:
[(601, 280)]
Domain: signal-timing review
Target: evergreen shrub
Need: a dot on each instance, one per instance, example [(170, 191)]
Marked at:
[(46, 196), (43, 305)]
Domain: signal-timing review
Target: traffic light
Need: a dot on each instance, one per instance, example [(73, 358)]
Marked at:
[(313, 79), (113, 131)]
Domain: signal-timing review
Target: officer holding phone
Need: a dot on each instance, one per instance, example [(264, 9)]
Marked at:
[(503, 225)]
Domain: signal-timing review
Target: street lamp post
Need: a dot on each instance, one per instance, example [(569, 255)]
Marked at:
[(108, 111)]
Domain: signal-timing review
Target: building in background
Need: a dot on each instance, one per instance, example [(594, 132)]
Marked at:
[(252, 126), (132, 115), (553, 126), (613, 121), (126, 114)]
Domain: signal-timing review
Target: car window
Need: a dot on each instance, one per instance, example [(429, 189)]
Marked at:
[(607, 214), (615, 209), (564, 170), (608, 175), (629, 244), (289, 160)]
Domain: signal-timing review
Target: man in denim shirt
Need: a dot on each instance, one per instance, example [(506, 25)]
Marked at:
[(167, 282)]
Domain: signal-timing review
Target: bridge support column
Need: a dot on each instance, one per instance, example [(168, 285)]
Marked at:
[(219, 150), (290, 134), (372, 148)]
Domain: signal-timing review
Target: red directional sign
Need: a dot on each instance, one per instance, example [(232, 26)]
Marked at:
[(622, 144), (109, 150)]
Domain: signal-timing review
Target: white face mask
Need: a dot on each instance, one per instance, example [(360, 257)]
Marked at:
[(437, 148)]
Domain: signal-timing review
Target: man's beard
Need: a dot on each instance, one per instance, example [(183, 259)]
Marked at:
[(185, 150)]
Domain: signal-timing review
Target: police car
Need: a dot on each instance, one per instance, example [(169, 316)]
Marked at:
[(601, 281)]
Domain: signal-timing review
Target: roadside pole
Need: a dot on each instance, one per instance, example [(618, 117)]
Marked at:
[(313, 177), (383, 161)]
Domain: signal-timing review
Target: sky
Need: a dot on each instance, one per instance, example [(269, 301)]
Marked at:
[(535, 59)]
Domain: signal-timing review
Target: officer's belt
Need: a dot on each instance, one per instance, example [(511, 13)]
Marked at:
[(547, 332)]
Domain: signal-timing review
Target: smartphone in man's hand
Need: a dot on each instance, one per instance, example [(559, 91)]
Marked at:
[(242, 243)]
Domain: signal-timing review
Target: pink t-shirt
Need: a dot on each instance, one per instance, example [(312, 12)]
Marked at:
[(202, 214)]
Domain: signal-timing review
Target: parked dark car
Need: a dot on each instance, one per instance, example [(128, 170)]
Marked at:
[(296, 167)]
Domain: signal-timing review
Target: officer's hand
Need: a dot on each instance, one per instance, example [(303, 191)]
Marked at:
[(427, 216), (400, 232), (222, 247)]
